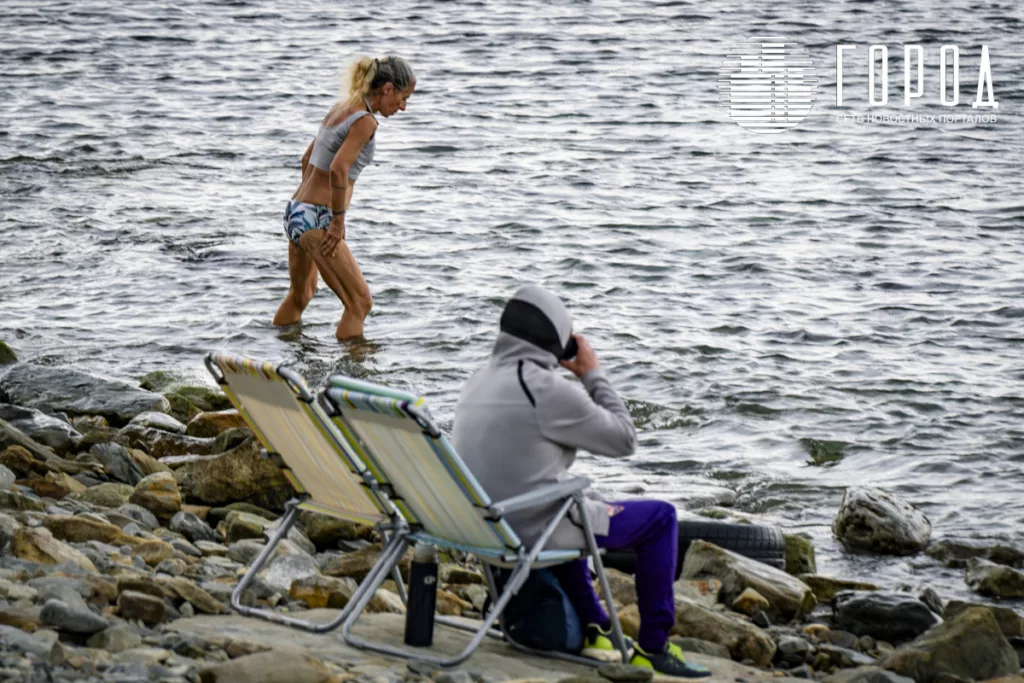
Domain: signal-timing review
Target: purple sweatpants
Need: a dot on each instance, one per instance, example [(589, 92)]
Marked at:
[(650, 528)]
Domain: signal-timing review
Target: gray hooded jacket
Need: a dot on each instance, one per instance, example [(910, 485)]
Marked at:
[(520, 420)]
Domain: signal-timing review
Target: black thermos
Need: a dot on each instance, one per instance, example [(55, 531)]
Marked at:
[(419, 615)]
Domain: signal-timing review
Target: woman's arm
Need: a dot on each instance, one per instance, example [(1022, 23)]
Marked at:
[(360, 132)]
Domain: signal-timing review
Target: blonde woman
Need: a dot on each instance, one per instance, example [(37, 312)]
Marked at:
[(315, 218)]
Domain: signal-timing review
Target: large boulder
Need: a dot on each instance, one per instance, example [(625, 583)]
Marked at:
[(7, 355), (787, 596), (46, 429), (871, 519), (892, 617), (744, 640), (995, 580), (238, 475), (1010, 623), (77, 393), (799, 555), (968, 646)]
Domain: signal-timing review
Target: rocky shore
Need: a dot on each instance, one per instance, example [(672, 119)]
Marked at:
[(128, 513)]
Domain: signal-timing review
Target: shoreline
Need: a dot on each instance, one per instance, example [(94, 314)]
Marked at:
[(125, 510)]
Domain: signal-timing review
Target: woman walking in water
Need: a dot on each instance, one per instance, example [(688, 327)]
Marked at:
[(315, 218)]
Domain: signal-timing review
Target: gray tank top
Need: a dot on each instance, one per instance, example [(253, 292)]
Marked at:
[(328, 142)]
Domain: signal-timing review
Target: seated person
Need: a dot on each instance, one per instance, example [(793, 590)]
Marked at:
[(517, 426)]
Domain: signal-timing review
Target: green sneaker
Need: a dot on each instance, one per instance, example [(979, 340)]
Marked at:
[(669, 662), (597, 644)]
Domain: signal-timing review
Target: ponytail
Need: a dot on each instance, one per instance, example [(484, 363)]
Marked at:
[(366, 75)]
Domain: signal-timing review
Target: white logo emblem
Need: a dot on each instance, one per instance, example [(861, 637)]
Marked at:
[(768, 84)]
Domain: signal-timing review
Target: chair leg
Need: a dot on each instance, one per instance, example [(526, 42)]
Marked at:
[(395, 544), (606, 591)]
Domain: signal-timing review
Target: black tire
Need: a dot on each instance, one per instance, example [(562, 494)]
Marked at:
[(762, 543)]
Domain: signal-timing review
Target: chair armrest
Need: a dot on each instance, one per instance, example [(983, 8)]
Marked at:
[(547, 494)]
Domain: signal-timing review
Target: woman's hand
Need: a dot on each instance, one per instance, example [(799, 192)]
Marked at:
[(335, 234)]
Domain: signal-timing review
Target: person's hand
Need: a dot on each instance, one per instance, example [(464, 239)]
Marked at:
[(335, 234), (585, 360)]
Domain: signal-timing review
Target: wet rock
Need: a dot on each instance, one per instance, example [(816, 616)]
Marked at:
[(871, 519), (867, 674), (325, 531), (800, 555), (72, 618), (20, 461), (238, 475), (133, 605), (46, 429), (154, 420), (931, 598), (893, 617), (230, 439), (11, 500), (826, 587), (1011, 624), (7, 355), (209, 425), (110, 495), (161, 444), (787, 596), (285, 569), (701, 647), (954, 553), (39, 546), (750, 602), (193, 528), (995, 580), (159, 494), (266, 667), (969, 646), (9, 436), (74, 392), (81, 529), (743, 640)]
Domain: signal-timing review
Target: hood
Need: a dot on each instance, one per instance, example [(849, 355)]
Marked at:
[(535, 325)]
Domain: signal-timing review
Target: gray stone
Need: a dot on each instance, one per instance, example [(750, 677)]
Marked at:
[(244, 552), (892, 617), (844, 657), (140, 514), (703, 647), (871, 519), (624, 673), (932, 599), (12, 638), (161, 421), (118, 463), (67, 618), (77, 393), (10, 436), (46, 429), (7, 479), (264, 667), (193, 528), (968, 646), (117, 638), (867, 674), (287, 568), (183, 546)]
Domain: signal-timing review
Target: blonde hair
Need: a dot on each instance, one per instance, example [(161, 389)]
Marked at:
[(366, 75)]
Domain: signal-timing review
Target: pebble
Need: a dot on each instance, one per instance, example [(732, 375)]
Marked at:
[(66, 618)]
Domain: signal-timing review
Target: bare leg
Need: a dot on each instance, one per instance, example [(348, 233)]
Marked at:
[(302, 274), (342, 275)]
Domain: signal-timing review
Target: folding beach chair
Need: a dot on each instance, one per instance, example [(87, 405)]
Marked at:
[(443, 504), (315, 458)]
